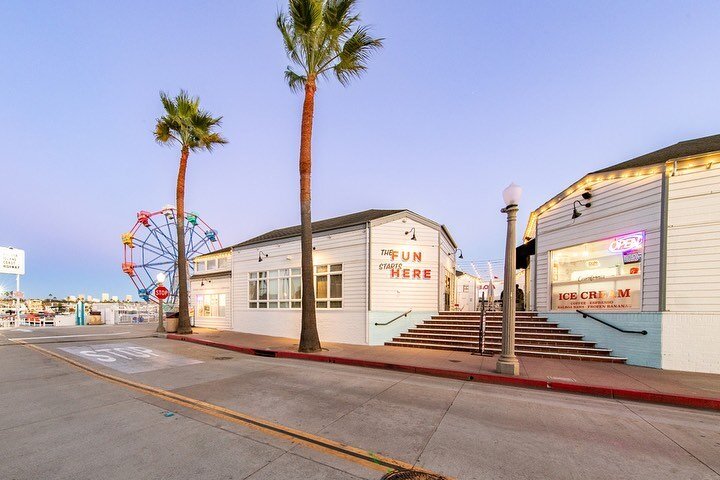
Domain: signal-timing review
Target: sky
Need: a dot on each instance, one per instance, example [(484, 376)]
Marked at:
[(466, 97)]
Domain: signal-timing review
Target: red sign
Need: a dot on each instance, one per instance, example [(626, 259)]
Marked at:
[(161, 293)]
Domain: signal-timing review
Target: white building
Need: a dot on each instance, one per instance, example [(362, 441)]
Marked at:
[(371, 268), (636, 245)]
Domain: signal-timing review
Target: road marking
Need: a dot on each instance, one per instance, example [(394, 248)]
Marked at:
[(338, 449), (71, 336), (26, 330), (128, 357)]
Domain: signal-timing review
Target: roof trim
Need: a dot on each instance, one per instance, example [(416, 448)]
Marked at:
[(604, 175)]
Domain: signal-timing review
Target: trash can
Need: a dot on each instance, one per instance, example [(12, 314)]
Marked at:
[(95, 318), (172, 319)]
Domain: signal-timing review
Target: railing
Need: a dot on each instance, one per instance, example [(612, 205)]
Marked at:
[(586, 315), (481, 330), (399, 316)]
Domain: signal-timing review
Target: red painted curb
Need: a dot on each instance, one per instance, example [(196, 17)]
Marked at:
[(594, 390)]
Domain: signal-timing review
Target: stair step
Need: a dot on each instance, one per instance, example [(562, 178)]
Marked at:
[(493, 334), (518, 346), (518, 351), (497, 339)]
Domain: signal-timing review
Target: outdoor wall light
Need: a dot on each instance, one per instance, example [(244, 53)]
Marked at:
[(455, 252), (587, 195), (262, 254), (413, 234), (575, 213)]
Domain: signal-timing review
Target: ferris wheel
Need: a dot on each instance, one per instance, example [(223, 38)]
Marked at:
[(150, 248)]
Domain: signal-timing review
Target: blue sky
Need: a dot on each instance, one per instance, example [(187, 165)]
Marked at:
[(466, 97)]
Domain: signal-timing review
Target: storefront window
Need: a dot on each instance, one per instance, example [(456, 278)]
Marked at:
[(210, 305), (602, 275)]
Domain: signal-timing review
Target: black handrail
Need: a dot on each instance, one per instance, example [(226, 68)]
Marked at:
[(399, 316), (586, 315), (481, 330)]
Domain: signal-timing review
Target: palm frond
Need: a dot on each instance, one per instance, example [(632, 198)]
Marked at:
[(306, 15), (355, 53), (295, 82), (185, 123), (320, 37)]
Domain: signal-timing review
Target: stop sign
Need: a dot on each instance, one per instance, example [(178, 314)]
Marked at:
[(161, 292)]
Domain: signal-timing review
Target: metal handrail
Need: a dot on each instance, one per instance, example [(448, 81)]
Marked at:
[(399, 316), (586, 315), (481, 330)]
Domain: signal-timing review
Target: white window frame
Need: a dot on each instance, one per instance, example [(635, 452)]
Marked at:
[(277, 275), (200, 303), (326, 303)]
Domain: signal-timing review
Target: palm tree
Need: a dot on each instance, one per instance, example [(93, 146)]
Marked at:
[(321, 38), (185, 124)]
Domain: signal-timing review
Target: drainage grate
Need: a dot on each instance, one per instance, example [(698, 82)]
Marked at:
[(223, 358), (410, 475)]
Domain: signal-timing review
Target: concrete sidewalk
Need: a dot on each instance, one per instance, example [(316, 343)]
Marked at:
[(697, 390)]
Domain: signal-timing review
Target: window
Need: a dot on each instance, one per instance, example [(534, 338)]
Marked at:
[(328, 286), (212, 264), (283, 288), (200, 266), (275, 289), (210, 305), (222, 262), (601, 275)]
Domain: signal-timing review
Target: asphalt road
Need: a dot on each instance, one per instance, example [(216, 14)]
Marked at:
[(58, 422)]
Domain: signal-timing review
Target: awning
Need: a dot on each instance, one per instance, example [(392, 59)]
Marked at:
[(523, 253)]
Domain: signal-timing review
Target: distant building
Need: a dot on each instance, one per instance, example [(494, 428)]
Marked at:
[(104, 297)]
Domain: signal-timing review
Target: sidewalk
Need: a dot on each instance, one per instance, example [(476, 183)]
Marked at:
[(698, 390)]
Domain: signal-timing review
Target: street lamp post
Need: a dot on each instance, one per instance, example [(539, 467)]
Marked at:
[(161, 328), (508, 363)]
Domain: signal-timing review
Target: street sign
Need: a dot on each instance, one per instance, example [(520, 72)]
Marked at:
[(161, 293), (12, 261)]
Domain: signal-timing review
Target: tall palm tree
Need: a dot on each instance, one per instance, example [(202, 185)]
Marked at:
[(185, 124), (321, 38)]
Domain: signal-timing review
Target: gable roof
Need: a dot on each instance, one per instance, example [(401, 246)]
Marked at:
[(686, 148), (344, 221)]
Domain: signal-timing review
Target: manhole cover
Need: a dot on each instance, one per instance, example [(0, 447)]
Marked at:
[(223, 358), (410, 475)]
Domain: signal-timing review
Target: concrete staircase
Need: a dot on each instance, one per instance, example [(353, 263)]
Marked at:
[(534, 336)]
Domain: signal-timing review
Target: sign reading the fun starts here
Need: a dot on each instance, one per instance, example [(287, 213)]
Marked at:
[(404, 264)]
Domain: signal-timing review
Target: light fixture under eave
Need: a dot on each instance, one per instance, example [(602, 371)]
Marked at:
[(413, 234), (461, 253), (262, 254), (575, 213)]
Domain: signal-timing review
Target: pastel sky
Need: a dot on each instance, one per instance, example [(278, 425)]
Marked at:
[(466, 97)]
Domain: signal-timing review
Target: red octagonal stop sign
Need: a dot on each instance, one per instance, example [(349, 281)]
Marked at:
[(161, 292)]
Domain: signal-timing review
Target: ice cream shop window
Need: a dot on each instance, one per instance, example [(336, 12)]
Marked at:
[(602, 275)]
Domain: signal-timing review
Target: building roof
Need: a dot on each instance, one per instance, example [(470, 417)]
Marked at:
[(334, 223), (687, 148)]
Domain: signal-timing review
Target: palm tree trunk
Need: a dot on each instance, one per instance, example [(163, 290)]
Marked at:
[(184, 320), (309, 339)]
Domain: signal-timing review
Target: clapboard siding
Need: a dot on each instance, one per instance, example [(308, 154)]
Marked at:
[(347, 324), (619, 207), (693, 240), (399, 294)]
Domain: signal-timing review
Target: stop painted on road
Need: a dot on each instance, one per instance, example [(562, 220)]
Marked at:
[(129, 357)]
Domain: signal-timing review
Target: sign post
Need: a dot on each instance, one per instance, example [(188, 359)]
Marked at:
[(161, 293), (12, 261)]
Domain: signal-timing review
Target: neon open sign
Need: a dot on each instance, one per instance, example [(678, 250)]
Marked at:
[(627, 242)]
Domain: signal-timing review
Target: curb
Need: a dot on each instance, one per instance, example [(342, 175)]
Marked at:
[(705, 403)]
